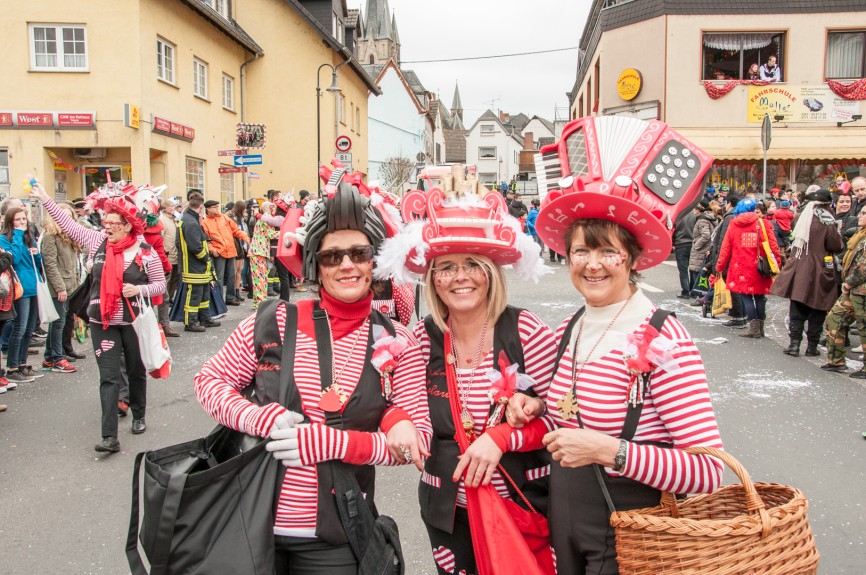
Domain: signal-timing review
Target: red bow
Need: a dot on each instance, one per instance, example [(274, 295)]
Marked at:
[(641, 341), (503, 388), (386, 349)]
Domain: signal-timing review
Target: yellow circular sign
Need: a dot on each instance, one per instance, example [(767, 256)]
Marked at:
[(628, 84)]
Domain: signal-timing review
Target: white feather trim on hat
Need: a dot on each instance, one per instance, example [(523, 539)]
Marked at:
[(530, 266), (391, 260)]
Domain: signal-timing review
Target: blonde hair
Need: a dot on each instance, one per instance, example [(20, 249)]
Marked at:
[(497, 296), (52, 229)]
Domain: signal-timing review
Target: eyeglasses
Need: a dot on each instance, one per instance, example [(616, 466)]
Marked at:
[(358, 255), (471, 269), (114, 224)]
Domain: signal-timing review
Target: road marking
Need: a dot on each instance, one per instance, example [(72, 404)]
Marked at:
[(649, 288)]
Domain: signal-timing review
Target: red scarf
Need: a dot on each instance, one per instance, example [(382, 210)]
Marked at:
[(111, 284)]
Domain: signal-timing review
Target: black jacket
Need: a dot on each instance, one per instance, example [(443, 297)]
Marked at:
[(718, 238), (193, 250)]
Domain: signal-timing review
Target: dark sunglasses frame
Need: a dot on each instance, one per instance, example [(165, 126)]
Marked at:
[(332, 258)]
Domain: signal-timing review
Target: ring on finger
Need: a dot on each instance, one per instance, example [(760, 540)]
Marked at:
[(407, 453)]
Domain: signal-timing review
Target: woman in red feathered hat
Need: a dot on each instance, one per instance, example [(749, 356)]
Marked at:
[(477, 350), (124, 267), (616, 432)]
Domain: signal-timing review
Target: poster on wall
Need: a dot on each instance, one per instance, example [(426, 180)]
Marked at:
[(799, 104)]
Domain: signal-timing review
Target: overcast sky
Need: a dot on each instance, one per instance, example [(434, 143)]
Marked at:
[(533, 84)]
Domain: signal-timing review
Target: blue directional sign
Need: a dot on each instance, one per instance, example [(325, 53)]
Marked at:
[(248, 160)]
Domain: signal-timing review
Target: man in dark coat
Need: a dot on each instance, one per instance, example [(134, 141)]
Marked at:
[(683, 237), (196, 272), (737, 313), (808, 278)]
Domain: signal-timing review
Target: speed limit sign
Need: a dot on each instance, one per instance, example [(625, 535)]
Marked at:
[(343, 144)]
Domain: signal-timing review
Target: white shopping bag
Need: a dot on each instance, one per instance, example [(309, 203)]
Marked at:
[(150, 339), (47, 311)]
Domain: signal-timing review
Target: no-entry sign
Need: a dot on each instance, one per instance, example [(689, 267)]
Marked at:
[(343, 144)]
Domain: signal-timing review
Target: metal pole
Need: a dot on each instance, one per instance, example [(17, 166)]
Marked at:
[(318, 129), (764, 184)]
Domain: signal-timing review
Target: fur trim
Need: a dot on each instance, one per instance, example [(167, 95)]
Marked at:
[(530, 266), (391, 261)]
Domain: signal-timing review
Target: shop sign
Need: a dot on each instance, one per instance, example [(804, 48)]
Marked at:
[(232, 169), (628, 84), (131, 116), (172, 129), (799, 104), (56, 120)]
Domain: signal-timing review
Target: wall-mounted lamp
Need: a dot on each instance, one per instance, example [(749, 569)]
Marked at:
[(854, 118), (778, 118)]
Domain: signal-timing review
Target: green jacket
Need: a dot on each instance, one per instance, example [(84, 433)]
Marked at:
[(61, 265)]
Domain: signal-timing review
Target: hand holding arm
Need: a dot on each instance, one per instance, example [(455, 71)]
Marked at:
[(479, 462), (580, 447)]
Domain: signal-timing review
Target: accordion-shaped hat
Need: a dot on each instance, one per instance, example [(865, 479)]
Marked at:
[(641, 175), (139, 205)]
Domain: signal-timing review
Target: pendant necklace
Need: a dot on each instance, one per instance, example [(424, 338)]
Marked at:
[(464, 390), (333, 398), (568, 405)]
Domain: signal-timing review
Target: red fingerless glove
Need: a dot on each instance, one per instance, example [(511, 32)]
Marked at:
[(533, 433), (318, 443), (360, 448), (500, 435), (259, 216), (392, 416)]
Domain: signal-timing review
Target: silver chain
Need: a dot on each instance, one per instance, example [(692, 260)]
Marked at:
[(465, 390)]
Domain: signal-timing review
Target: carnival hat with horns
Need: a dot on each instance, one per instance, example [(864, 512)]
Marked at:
[(641, 175), (138, 205), (440, 224)]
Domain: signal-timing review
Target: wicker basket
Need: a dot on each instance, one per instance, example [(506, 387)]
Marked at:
[(753, 528)]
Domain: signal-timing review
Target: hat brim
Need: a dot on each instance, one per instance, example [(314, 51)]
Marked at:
[(651, 234), (500, 254)]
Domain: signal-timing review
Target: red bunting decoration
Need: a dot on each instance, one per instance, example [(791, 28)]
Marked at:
[(855, 90), (716, 91)]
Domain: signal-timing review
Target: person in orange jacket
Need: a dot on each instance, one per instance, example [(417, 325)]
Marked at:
[(222, 231)]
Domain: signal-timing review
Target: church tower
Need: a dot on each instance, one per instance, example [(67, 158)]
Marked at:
[(381, 40), (457, 110)]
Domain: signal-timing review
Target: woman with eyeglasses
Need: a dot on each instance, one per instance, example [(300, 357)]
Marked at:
[(124, 267), (346, 398), (475, 347)]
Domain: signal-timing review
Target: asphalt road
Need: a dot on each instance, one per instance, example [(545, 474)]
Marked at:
[(64, 509)]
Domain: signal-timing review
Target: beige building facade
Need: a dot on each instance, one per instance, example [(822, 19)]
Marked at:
[(153, 91), (692, 70)]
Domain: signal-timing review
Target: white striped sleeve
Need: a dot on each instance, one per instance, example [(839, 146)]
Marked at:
[(682, 401)]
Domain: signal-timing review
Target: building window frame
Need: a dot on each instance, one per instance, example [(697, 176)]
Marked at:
[(830, 69), (221, 7), (341, 108), (166, 60), (60, 44), (488, 129), (358, 120), (489, 154), (228, 187), (715, 60), (195, 174), (200, 78), (228, 89), (5, 182), (488, 178)]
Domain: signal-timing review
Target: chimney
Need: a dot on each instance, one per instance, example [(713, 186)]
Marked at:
[(503, 117), (528, 143)]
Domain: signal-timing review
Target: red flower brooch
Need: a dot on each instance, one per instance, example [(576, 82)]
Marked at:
[(386, 350), (645, 350)]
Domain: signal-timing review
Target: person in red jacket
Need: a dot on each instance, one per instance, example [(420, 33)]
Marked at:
[(783, 217), (739, 254)]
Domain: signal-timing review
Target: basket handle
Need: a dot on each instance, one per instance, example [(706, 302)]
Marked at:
[(754, 503)]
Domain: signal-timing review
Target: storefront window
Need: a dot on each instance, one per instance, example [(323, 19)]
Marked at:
[(195, 174), (227, 188), (746, 176), (4, 173), (729, 56), (97, 176)]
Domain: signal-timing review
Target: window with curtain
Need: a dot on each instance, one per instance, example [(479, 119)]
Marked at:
[(59, 48), (846, 55), (728, 56)]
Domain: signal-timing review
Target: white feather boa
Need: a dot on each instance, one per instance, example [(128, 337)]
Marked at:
[(391, 260)]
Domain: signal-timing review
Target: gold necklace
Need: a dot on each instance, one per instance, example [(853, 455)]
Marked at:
[(463, 391), (335, 391), (568, 405)]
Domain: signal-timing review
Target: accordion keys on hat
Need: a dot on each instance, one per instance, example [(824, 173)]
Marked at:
[(602, 157)]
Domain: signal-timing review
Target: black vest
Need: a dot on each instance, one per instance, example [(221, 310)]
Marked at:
[(439, 501), (383, 299), (131, 275), (362, 412)]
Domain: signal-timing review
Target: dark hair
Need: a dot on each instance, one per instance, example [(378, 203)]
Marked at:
[(535, 202), (195, 201), (9, 226), (599, 233), (239, 206)]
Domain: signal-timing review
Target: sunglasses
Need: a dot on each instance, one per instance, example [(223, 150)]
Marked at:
[(358, 255)]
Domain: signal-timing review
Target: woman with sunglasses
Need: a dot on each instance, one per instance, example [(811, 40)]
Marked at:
[(124, 267), (475, 347), (341, 413)]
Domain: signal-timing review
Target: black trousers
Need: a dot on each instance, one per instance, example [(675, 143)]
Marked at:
[(225, 274), (196, 308), (68, 328), (737, 310), (453, 552), (109, 345), (173, 279), (285, 279), (579, 519), (682, 253), (799, 316), (302, 556)]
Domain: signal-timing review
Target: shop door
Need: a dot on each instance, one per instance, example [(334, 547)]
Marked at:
[(97, 176)]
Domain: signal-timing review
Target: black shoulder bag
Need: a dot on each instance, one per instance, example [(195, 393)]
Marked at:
[(209, 503)]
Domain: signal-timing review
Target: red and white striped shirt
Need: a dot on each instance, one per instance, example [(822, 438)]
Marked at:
[(220, 380), (92, 239), (539, 353), (677, 410)]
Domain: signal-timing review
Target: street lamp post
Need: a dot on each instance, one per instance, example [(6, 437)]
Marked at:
[(334, 88)]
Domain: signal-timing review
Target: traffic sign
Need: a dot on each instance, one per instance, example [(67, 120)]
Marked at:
[(231, 169), (766, 132), (239, 152), (345, 158), (249, 160), (343, 144)]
